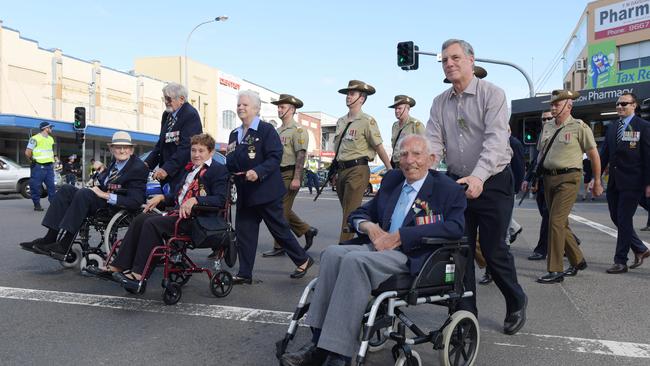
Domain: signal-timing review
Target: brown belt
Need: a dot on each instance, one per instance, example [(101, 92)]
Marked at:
[(561, 171), (352, 163), (287, 168)]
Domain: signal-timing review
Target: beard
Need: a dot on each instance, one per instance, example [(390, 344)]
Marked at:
[(169, 109)]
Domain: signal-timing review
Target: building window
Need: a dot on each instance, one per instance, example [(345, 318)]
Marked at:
[(632, 56), (229, 118)]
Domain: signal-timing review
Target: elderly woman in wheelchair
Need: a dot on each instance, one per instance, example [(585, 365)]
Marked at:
[(121, 185), (203, 184), (386, 261)]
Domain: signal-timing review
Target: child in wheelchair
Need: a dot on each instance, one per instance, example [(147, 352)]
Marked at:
[(199, 204)]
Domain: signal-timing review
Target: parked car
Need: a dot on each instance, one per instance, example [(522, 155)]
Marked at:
[(376, 175), (15, 179)]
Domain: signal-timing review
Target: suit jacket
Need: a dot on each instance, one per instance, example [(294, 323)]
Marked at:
[(214, 183), (443, 196), (172, 150), (517, 162), (629, 161), (263, 155), (130, 184)]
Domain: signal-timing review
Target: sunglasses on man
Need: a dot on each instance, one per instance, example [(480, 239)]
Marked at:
[(546, 119), (623, 104)]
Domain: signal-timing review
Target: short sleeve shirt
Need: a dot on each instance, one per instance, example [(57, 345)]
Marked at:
[(412, 127), (293, 139), (360, 139), (572, 141)]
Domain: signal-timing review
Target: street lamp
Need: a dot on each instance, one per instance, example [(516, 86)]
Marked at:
[(222, 18)]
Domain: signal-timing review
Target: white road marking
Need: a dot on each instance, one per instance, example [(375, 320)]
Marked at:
[(541, 341), (602, 228)]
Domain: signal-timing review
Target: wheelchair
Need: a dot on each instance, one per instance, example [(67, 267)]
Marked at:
[(178, 267), (111, 224), (440, 282)]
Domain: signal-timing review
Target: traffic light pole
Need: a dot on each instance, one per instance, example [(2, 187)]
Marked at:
[(531, 90)]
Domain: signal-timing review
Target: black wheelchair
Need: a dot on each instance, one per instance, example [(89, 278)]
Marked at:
[(111, 224), (440, 282)]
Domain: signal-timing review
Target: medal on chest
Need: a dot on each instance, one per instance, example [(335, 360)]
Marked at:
[(251, 152)]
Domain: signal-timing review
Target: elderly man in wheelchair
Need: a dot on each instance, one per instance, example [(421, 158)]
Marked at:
[(203, 184), (123, 184), (413, 203)]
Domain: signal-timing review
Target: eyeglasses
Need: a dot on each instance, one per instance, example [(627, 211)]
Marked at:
[(166, 99), (546, 119), (623, 104)]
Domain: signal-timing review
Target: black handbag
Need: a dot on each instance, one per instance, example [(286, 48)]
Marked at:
[(214, 232)]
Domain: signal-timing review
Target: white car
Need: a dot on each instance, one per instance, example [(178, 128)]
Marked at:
[(15, 178)]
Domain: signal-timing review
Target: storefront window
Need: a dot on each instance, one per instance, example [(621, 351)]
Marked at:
[(229, 117)]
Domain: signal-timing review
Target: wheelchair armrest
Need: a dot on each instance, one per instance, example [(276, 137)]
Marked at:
[(443, 241)]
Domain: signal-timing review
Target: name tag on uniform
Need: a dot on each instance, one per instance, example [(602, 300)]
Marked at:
[(173, 136), (633, 136)]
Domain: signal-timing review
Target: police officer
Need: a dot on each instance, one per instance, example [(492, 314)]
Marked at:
[(40, 151), (404, 126), (357, 141), (562, 145), (627, 151), (294, 147), (312, 174)]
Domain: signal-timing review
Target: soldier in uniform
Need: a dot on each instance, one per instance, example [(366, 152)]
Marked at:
[(404, 126), (294, 147), (357, 141), (562, 172), (40, 151)]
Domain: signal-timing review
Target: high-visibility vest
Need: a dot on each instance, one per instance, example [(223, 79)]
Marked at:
[(43, 152), (312, 165)]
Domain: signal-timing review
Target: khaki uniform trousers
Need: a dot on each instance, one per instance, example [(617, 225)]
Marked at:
[(560, 192), (350, 185), (296, 224)]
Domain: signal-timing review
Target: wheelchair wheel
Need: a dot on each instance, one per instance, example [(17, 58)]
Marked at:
[(172, 293), (460, 340), (415, 360), (116, 229), (92, 259), (73, 259), (221, 284), (180, 278)]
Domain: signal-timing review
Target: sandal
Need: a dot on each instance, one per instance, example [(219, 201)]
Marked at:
[(301, 272)]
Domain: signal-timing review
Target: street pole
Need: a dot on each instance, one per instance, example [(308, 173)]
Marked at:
[(222, 18), (531, 90)]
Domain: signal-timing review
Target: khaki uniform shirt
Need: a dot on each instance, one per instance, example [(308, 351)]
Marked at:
[(566, 151), (412, 127), (293, 139), (360, 139)]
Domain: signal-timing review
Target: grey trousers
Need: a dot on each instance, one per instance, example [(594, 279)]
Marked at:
[(347, 275)]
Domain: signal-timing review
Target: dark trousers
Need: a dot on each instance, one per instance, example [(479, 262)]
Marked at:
[(312, 180), (489, 214), (247, 228), (41, 174), (144, 233), (644, 202), (70, 207), (622, 206)]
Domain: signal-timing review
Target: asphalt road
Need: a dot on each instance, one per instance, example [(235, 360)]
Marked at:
[(54, 316)]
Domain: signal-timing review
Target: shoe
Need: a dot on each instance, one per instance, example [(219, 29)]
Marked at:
[(617, 268), (309, 237), (59, 251), (237, 280), (551, 277), (95, 271), (335, 360), (638, 258), (486, 279), (308, 354), (29, 245), (515, 320), (647, 228), (45, 248), (273, 252), (38, 208), (573, 270), (300, 273), (513, 237), (536, 257), (130, 284)]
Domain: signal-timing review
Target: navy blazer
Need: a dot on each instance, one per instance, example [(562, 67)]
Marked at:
[(263, 156), (443, 196), (517, 163), (214, 181), (130, 184), (172, 155), (629, 162)]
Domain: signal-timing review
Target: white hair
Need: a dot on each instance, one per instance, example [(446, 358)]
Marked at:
[(253, 97), (174, 90), (427, 143)]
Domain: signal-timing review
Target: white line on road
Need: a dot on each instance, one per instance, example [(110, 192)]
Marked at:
[(605, 229), (572, 344)]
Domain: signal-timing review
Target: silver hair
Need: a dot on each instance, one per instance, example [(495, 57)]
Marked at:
[(467, 48), (427, 143), (253, 96), (174, 90)]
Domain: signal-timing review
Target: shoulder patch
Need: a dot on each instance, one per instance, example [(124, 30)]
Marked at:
[(372, 122), (299, 130)]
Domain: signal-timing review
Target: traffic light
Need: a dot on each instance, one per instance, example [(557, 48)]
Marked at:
[(79, 137), (531, 132), (645, 109), (80, 118), (407, 58)]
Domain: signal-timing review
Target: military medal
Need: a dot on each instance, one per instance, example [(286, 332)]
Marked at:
[(251, 152), (632, 144), (202, 191)]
